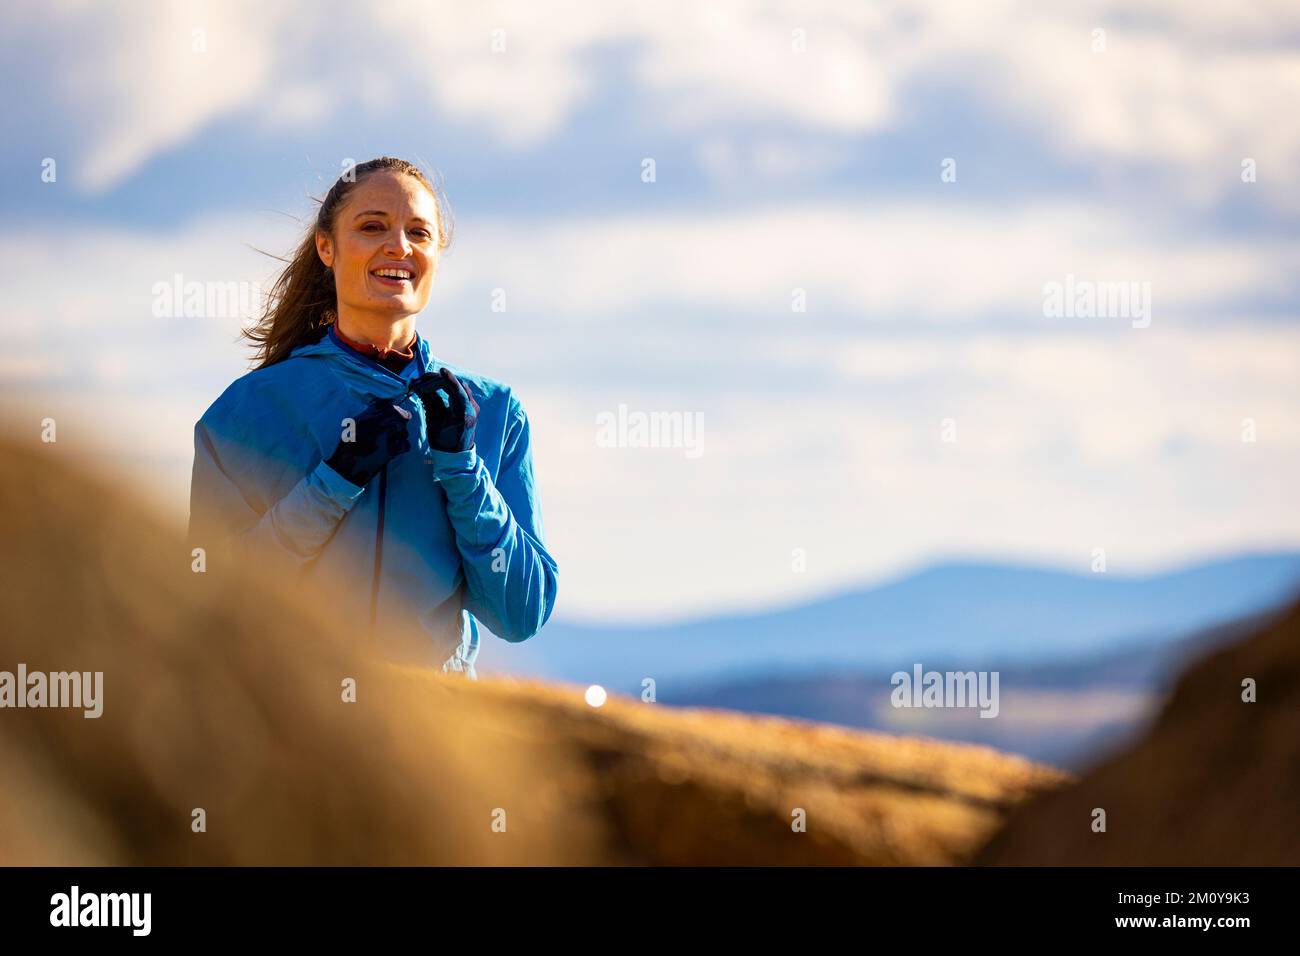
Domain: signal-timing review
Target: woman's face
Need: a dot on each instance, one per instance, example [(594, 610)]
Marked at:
[(389, 221)]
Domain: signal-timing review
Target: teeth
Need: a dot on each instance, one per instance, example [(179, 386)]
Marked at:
[(393, 273)]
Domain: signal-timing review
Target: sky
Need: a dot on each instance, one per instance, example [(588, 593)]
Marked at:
[(839, 269)]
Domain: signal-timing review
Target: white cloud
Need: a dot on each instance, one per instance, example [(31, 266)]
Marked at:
[(1064, 443), (146, 77), (947, 262), (735, 165), (818, 435), (1189, 90)]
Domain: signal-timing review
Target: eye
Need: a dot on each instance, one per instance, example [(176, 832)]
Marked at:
[(369, 225), (424, 233)]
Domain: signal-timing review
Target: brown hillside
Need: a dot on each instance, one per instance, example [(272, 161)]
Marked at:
[(223, 692), (1216, 781)]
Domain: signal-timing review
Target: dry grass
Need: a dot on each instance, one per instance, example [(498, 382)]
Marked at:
[(223, 692)]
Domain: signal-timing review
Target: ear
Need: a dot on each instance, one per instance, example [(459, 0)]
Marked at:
[(325, 248)]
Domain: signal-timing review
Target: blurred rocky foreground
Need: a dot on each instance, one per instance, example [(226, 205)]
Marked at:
[(224, 692), (1215, 782)]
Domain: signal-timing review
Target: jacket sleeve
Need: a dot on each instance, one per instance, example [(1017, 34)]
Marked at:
[(292, 531), (511, 578)]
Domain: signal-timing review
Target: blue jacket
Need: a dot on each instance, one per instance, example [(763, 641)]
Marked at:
[(432, 543)]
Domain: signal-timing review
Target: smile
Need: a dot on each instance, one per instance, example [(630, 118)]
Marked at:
[(393, 276)]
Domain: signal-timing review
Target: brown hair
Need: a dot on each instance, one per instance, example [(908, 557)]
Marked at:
[(302, 302)]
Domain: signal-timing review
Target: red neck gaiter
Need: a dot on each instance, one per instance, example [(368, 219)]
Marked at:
[(392, 359)]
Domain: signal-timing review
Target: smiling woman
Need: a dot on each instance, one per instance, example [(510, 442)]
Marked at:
[(353, 460), (380, 216)]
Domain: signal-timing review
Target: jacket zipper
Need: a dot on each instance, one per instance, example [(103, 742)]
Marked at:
[(379, 550), (383, 475)]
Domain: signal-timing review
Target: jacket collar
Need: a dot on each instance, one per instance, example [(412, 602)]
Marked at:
[(363, 369)]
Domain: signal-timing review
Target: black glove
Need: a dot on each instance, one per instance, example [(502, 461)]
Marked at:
[(378, 437), (450, 420)]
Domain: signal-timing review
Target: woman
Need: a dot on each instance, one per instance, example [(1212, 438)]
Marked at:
[(352, 459)]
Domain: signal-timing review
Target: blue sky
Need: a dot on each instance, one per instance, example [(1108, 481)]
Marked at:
[(796, 146)]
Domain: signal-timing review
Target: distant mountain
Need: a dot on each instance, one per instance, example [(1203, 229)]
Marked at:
[(980, 615), (1070, 712)]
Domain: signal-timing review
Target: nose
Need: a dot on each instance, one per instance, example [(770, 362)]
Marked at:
[(398, 245)]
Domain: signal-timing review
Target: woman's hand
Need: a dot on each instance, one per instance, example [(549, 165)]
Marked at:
[(450, 420), (379, 435)]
